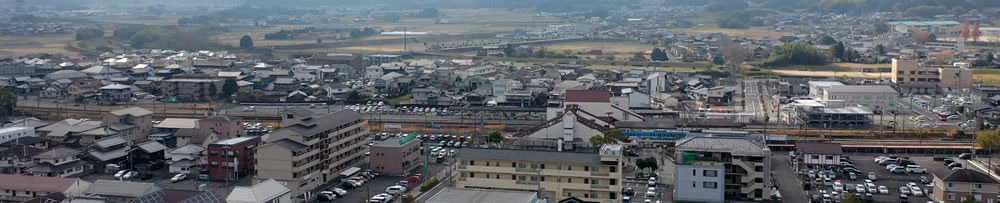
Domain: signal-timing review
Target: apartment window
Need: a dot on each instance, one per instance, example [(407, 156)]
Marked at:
[(534, 178), (611, 195), (215, 163), (520, 178), (595, 182), (815, 156), (829, 157), (979, 186), (593, 195), (472, 162), (487, 163), (465, 162), (586, 168), (472, 175), (542, 166), (542, 178), (694, 184), (709, 185), (512, 177), (569, 168), (951, 196), (951, 184), (899, 72), (569, 180), (911, 79), (694, 172), (513, 164), (710, 173), (613, 169), (534, 165), (913, 72), (758, 168), (586, 181)]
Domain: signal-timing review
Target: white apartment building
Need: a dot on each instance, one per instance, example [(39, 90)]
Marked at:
[(718, 168), (12, 133)]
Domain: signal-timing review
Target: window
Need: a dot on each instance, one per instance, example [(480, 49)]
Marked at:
[(534, 178), (586, 181), (951, 196), (829, 157), (215, 163), (586, 168), (815, 156), (710, 173), (512, 177), (979, 186), (709, 185), (694, 184), (472, 162), (512, 164), (614, 169), (542, 166), (595, 182), (613, 181), (694, 172), (951, 184), (611, 195), (472, 175), (542, 178)]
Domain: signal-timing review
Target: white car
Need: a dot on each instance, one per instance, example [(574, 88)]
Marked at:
[(178, 177), (837, 187), (652, 181), (859, 188), (130, 174), (915, 169), (872, 189), (916, 191), (883, 190), (395, 190), (121, 173), (871, 177), (905, 190)]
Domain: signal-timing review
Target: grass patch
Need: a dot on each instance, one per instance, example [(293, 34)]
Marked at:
[(833, 67), (400, 100)]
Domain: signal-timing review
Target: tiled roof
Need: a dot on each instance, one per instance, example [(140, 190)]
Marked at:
[(35, 183)]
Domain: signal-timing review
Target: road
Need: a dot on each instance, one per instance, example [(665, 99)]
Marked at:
[(758, 101)]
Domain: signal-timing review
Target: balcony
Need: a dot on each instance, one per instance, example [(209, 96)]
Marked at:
[(460, 166), (463, 179), (595, 186), (595, 173), (526, 182), (527, 170)]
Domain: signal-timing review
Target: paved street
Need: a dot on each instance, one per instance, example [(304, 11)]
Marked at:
[(787, 180)]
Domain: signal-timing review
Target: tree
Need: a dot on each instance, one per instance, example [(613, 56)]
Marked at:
[(246, 42), (212, 90), (921, 37), (540, 53), (718, 60), (540, 99), (508, 51), (596, 141), (880, 27), (495, 136), (880, 49), (827, 40), (969, 199), (926, 11), (229, 88), (733, 54), (988, 139), (795, 53), (354, 95), (638, 56), (838, 50), (989, 58), (659, 55), (89, 33), (648, 162), (409, 199), (8, 102), (615, 135)]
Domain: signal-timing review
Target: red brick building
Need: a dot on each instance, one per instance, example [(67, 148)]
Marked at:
[(232, 157)]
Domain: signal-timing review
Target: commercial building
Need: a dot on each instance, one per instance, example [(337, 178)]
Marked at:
[(313, 150), (268, 191), (870, 96), (816, 87), (232, 158), (396, 156), (939, 28), (812, 114), (718, 168), (189, 89), (13, 133), (463, 195), (21, 188), (913, 77), (955, 187), (379, 59), (818, 154), (590, 177)]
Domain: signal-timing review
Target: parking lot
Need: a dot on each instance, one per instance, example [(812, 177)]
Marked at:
[(884, 177)]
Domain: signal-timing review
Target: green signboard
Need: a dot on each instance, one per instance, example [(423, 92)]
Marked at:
[(408, 139)]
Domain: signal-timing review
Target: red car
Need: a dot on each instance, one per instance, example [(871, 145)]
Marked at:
[(413, 179)]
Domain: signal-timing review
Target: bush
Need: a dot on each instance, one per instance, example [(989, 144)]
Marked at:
[(429, 184)]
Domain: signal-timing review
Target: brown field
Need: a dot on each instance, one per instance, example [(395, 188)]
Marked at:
[(609, 47), (14, 46), (752, 33), (990, 79)]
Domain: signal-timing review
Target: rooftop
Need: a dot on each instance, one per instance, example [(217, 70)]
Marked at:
[(588, 96), (968, 176), (861, 89), (925, 23), (741, 146), (462, 195), (178, 123), (819, 148), (235, 140), (13, 129), (120, 188), (36, 183), (392, 143), (260, 192), (58, 152), (530, 156), (134, 112)]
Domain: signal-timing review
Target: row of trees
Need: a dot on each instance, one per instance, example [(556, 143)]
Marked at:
[(169, 37), (795, 53), (89, 33)]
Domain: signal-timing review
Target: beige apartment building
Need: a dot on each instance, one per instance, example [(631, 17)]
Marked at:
[(957, 186), (590, 177), (913, 77), (312, 151), (190, 89)]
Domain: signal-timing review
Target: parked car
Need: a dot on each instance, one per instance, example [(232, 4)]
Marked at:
[(965, 156), (652, 181), (883, 190), (837, 187), (916, 191), (326, 196), (812, 174), (955, 165), (925, 180), (898, 170), (130, 174), (178, 178), (859, 188), (121, 173), (915, 169), (904, 190), (395, 190), (871, 176)]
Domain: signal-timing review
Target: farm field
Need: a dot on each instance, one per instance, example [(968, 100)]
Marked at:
[(14, 46)]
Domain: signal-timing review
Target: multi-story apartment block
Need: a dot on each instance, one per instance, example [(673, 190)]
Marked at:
[(717, 168), (939, 28), (189, 89), (957, 186), (231, 157), (913, 77), (591, 177), (14, 132), (396, 156), (312, 151)]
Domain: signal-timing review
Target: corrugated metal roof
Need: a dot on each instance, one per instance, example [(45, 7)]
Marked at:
[(463, 195), (120, 188)]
